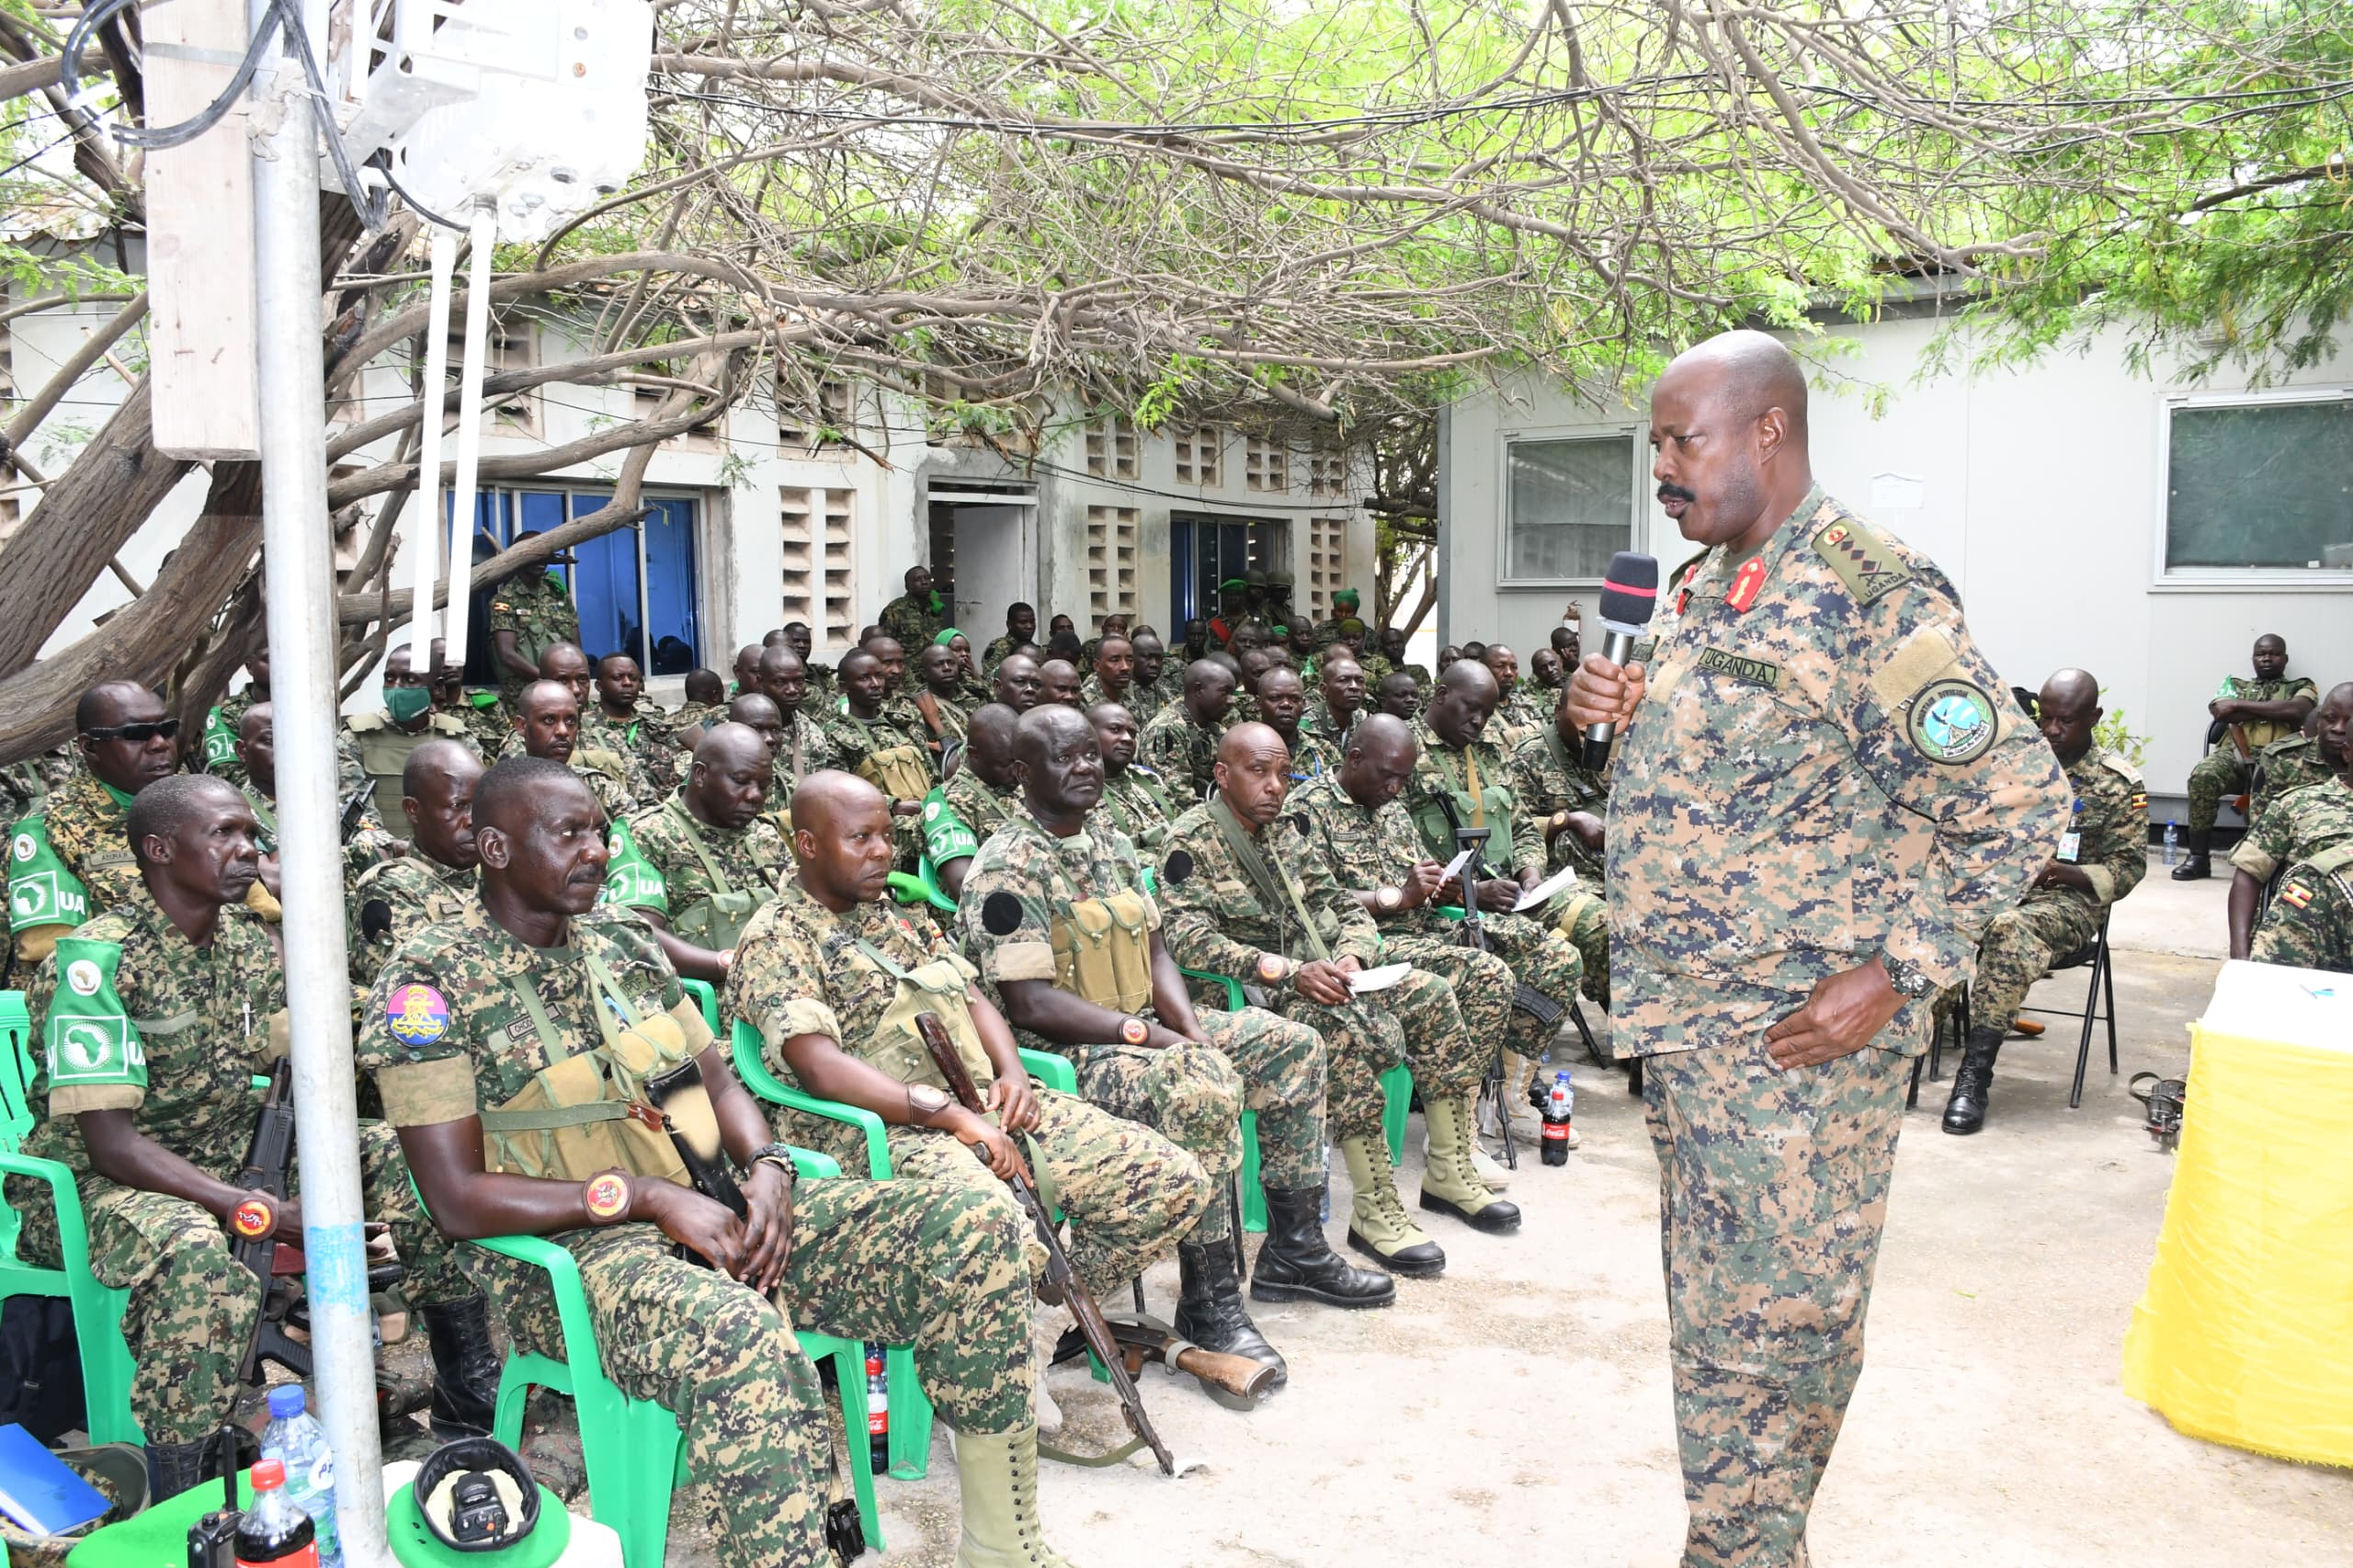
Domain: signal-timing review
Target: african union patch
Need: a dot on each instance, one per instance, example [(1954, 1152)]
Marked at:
[(2296, 895), (416, 1015), (1951, 721), (1741, 669)]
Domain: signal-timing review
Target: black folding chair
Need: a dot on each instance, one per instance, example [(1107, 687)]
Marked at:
[(2099, 1007)]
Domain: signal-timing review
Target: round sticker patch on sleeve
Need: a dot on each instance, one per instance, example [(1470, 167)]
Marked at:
[(1951, 721), (416, 1015)]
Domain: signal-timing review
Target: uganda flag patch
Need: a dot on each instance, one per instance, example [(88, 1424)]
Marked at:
[(2295, 896), (2140, 800)]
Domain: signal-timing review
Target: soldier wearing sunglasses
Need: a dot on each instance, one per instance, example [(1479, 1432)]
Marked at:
[(71, 861)]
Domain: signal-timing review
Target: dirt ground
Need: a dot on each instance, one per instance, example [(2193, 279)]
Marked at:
[(1518, 1409)]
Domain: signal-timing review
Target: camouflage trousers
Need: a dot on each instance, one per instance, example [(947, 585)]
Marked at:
[(192, 1304), (1583, 920), (2019, 947), (1415, 1021), (1195, 1095), (1130, 1194), (896, 1262), (1772, 1193), (1534, 955), (2218, 772)]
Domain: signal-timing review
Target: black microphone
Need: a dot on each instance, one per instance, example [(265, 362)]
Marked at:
[(1629, 594)]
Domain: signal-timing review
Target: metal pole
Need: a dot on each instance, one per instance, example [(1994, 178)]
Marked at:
[(289, 319), (426, 567), (470, 371)]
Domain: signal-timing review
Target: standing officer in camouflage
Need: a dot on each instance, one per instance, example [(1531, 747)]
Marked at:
[(1261, 905), (699, 865), (531, 612), (1057, 918), (2101, 857), (1020, 627), (1181, 744), (1820, 800), (916, 615), (155, 1017), (832, 977), (1135, 798), (373, 748), (68, 862), (2257, 711), (394, 898), (491, 1034), (958, 815), (2310, 924), (1554, 787), (1350, 817)]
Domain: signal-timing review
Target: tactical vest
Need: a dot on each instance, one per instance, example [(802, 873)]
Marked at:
[(896, 1047), (1103, 950), (589, 1112), (1490, 805), (902, 772), (715, 921), (383, 754)]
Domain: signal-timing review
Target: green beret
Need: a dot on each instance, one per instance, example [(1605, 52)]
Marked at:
[(1347, 596)]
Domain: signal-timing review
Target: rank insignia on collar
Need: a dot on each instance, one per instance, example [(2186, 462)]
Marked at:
[(1746, 584)]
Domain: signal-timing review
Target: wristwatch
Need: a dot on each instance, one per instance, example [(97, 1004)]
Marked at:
[(606, 1196), (1909, 982), (1135, 1031), (925, 1101), (1272, 967), (777, 1155), (1390, 899)]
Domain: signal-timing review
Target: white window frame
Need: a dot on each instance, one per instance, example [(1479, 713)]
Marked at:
[(1637, 521), (2232, 579)]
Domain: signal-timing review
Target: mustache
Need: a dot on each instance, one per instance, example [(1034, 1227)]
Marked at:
[(1676, 493)]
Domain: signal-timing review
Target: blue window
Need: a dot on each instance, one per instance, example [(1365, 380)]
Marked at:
[(635, 588)]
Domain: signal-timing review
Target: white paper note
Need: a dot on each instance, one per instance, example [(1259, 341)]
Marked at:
[(1454, 867), (1380, 979), (1545, 889)]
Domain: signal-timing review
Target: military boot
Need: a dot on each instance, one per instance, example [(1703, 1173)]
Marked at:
[(1298, 1264), (1973, 1085), (465, 1367), (175, 1468), (1450, 1183), (2195, 866), (997, 1474), (1210, 1311), (1379, 1226)]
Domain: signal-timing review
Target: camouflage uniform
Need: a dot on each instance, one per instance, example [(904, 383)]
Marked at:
[(1194, 1095), (1218, 920), (853, 739), (1148, 700), (1549, 779), (372, 750), (367, 842), (1136, 802), (706, 881), (1516, 718), (2110, 834), (2223, 771), (912, 622), (86, 825), (1312, 756), (994, 654), (959, 816), (1181, 751), (1370, 848), (1832, 773), (199, 1019), (487, 722), (646, 742), (537, 606), (1131, 1195), (1318, 721), (395, 899), (1090, 692), (2288, 765), (2296, 826), (25, 786), (221, 757), (2310, 923), (808, 748), (898, 1263), (691, 719)]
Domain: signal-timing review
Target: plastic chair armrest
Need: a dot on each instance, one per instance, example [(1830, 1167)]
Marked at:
[(65, 1198), (1054, 1071), (564, 1284), (928, 875), (907, 889), (1234, 1002), (745, 1047), (706, 997)]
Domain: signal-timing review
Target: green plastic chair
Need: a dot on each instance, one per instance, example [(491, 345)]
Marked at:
[(706, 997), (107, 1365), (910, 1408), (922, 888), (633, 1448)]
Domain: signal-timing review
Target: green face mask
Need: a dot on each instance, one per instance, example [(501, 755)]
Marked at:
[(405, 703)]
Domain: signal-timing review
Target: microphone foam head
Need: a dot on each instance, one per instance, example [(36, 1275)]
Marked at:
[(1630, 593)]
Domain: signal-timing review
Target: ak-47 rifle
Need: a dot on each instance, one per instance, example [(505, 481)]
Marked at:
[(1537, 1004), (267, 1158), (354, 806), (1099, 1337)]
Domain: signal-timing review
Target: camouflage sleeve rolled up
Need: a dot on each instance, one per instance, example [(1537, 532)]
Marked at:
[(2296, 826), (1197, 877), (1004, 917), (2310, 923), (778, 983), (2112, 844)]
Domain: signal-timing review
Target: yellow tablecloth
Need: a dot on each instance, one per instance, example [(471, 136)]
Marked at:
[(2244, 1335)]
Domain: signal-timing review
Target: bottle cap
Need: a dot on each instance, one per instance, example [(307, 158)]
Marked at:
[(269, 1473), (286, 1399)]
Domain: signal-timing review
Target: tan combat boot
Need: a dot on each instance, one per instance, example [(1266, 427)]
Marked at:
[(1379, 1226), (997, 1473), (1451, 1184)]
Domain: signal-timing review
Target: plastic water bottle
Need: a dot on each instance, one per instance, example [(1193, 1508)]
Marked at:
[(2172, 842), (275, 1529), (296, 1440), (1559, 1105), (877, 1410)]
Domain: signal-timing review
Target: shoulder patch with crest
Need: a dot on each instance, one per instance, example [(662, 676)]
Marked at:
[(1861, 559)]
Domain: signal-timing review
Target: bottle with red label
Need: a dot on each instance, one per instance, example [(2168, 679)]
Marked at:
[(1559, 1105), (877, 1410), (274, 1530)]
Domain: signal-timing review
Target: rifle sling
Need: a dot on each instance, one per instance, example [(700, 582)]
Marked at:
[(1262, 870)]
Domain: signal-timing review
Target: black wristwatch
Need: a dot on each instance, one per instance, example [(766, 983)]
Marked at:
[(777, 1155), (1909, 981)]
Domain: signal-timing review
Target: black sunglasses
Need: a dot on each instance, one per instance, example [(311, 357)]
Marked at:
[(137, 734)]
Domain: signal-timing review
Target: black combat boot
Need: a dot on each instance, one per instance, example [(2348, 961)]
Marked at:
[(2194, 867), (1973, 1085), (1298, 1264), (1210, 1311), (175, 1468), (465, 1369)]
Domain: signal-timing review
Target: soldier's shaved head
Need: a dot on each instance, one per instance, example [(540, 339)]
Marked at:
[(841, 837), (438, 759), (728, 784), (1060, 765), (2067, 710), (1728, 426), (254, 721), (1751, 371), (512, 792), (437, 786), (1253, 773), (1466, 699), (754, 709), (1382, 753), (731, 745), (1042, 728), (165, 808), (105, 703), (2071, 686), (828, 798), (541, 695)]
